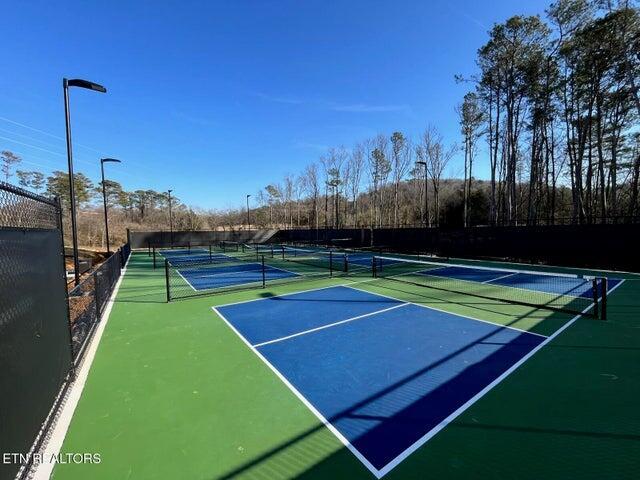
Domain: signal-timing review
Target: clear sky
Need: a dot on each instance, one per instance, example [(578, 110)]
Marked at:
[(218, 99)]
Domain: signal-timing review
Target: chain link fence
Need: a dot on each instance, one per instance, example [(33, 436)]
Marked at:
[(35, 344), (89, 299), (44, 330)]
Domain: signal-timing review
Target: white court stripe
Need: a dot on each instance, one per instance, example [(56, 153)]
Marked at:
[(500, 278), (429, 307), (329, 325)]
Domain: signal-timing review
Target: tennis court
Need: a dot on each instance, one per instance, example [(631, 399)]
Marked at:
[(402, 369), (413, 369)]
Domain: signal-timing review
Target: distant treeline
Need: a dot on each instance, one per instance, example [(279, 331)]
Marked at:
[(553, 114)]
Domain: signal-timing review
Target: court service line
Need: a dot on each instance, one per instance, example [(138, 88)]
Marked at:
[(329, 325), (428, 307), (499, 278), (282, 294)]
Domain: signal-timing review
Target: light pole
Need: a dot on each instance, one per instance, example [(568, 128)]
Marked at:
[(72, 194), (248, 218), (426, 196), (170, 220), (104, 198)]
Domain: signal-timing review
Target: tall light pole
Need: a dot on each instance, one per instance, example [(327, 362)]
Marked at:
[(170, 220), (248, 218), (426, 193), (72, 194), (104, 198)]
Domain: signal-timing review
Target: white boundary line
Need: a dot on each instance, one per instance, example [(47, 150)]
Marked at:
[(61, 427), (280, 295), (188, 282), (431, 433), (329, 325), (499, 278), (293, 389), (499, 325)]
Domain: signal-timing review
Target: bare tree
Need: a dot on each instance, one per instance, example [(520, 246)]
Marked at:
[(438, 157), (8, 160), (471, 119), (356, 169), (400, 161)]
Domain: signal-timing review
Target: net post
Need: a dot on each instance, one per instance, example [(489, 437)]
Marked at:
[(258, 255), (331, 263), (166, 277), (264, 276), (189, 247), (210, 254), (154, 258), (373, 266), (346, 264), (603, 298), (149, 247), (272, 254), (282, 247)]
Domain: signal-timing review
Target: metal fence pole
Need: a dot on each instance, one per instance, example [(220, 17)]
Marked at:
[(264, 275), (331, 264), (166, 277), (72, 368)]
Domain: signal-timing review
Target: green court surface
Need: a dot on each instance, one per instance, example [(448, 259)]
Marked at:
[(173, 393)]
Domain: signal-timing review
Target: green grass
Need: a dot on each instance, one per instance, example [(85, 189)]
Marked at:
[(173, 393)]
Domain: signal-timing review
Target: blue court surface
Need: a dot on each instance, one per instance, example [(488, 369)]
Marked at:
[(538, 282), (384, 375), (208, 277)]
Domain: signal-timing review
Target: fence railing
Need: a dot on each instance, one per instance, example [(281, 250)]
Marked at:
[(88, 300)]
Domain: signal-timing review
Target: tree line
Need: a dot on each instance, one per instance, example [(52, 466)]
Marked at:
[(553, 114)]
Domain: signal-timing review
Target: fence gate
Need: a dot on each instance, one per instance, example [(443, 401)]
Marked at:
[(35, 343)]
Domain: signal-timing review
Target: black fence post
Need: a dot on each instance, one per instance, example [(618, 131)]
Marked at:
[(346, 264), (210, 255), (166, 277), (72, 368), (264, 275), (154, 258), (373, 266), (96, 291), (330, 263)]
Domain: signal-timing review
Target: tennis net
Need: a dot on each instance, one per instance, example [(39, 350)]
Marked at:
[(320, 259), (570, 293), (183, 254)]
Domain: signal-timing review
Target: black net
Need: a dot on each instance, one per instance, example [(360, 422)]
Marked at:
[(230, 271), (569, 293)]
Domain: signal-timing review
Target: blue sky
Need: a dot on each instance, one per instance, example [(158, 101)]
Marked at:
[(218, 99)]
